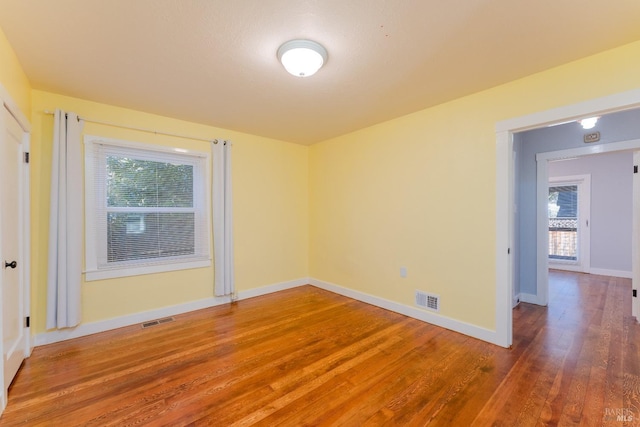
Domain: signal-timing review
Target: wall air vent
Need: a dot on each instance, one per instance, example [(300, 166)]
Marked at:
[(157, 322), (428, 301)]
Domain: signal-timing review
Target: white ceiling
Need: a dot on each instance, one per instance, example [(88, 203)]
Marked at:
[(214, 61)]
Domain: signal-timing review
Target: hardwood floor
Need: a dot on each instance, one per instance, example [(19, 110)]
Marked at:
[(309, 357)]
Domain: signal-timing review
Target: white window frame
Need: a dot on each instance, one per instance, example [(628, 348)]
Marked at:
[(95, 241)]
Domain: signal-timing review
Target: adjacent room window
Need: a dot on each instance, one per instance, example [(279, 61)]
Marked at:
[(146, 209), (568, 216), (563, 222)]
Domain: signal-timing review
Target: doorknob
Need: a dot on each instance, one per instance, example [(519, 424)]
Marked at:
[(12, 264)]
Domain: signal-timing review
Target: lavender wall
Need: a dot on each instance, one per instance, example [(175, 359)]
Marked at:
[(611, 207)]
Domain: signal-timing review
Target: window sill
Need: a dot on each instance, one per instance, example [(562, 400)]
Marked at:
[(148, 269)]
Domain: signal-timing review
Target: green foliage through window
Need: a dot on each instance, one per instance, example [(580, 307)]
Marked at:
[(144, 183)]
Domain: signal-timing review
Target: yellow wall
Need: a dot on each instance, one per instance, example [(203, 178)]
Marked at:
[(270, 184), (12, 76), (419, 191)]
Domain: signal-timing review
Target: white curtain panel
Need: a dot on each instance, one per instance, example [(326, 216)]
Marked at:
[(65, 224), (222, 219)]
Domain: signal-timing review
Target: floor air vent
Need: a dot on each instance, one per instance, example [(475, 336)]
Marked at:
[(428, 301), (157, 322)]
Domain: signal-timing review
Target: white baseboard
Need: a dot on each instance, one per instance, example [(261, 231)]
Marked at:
[(119, 322), (416, 313), (256, 292), (599, 271), (529, 298), (614, 273), (515, 300), (132, 319)]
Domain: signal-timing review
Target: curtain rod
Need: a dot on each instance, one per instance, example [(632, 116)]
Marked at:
[(101, 122)]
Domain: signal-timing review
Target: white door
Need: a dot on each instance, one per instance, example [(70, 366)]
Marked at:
[(12, 233)]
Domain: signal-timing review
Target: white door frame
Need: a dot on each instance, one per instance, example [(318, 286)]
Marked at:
[(635, 239), (505, 184), (8, 103)]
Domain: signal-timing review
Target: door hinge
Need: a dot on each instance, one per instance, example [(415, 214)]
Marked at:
[(27, 321), (635, 168), (508, 251), (635, 293), (26, 157)]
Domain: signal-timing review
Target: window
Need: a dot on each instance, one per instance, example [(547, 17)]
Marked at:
[(568, 216), (563, 222), (146, 209)]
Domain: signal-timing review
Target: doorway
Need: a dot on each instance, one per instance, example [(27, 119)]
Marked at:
[(506, 201), (543, 262)]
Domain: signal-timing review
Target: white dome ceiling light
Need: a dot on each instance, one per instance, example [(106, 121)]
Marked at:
[(302, 58)]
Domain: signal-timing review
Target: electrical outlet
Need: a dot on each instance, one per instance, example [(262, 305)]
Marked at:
[(403, 271)]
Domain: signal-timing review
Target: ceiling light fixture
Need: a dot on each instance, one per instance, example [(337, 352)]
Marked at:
[(589, 123), (302, 58)]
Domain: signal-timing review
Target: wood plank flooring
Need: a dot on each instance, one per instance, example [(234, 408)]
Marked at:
[(310, 357)]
